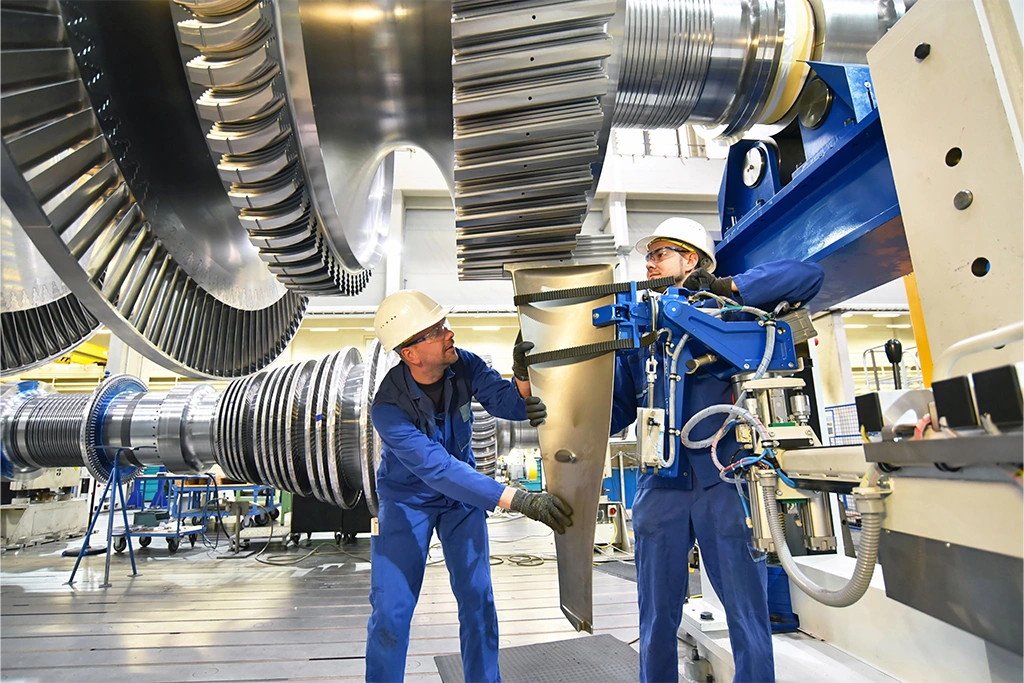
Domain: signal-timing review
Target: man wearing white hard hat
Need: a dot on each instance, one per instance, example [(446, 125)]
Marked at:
[(669, 514), (427, 481)]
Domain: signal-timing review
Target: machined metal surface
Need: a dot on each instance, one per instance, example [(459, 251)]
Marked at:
[(534, 85), (574, 438), (148, 121), (365, 79), (715, 63), (176, 197), (237, 65), (301, 427), (63, 183), (40, 318), (845, 31), (956, 583)]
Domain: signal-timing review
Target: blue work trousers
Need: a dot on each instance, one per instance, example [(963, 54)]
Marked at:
[(399, 558), (665, 523)]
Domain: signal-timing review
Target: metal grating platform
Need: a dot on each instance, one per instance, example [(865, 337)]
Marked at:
[(599, 658)]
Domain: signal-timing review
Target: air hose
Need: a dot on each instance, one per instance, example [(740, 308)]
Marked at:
[(871, 508)]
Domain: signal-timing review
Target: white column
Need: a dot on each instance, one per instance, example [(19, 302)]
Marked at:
[(393, 260), (616, 222)]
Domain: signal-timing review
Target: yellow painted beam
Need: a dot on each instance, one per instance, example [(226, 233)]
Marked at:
[(924, 351)]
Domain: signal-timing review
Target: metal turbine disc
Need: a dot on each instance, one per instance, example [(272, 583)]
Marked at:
[(62, 181), (314, 428), (96, 459), (344, 496), (295, 414)]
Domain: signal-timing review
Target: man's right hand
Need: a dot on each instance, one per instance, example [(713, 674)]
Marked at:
[(543, 507)]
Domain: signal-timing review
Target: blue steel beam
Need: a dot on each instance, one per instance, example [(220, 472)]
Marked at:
[(839, 211)]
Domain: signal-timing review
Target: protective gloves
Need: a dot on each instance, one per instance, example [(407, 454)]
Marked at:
[(702, 279), (519, 352), (543, 507), (536, 411)]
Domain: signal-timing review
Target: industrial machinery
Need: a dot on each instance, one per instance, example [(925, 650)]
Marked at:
[(302, 428), (197, 197), (192, 201)]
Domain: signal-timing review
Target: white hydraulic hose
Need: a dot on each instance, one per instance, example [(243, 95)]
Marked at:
[(871, 510), (976, 344), (730, 410), (673, 376), (769, 349)]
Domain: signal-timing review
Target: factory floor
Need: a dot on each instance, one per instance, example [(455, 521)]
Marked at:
[(204, 615)]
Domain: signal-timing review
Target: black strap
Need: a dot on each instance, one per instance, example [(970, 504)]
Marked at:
[(597, 348), (592, 291), (574, 352)]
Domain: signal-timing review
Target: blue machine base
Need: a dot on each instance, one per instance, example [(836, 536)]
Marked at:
[(780, 606)]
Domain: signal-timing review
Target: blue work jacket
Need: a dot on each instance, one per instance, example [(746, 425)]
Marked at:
[(427, 457), (763, 287)]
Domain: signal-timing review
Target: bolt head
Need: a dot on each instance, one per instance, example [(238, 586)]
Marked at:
[(922, 51), (963, 199), (746, 366)]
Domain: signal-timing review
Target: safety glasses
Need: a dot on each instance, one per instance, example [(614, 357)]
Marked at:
[(435, 332), (660, 253)]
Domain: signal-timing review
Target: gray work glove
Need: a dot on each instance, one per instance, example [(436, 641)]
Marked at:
[(536, 411), (519, 352), (543, 507), (702, 279)]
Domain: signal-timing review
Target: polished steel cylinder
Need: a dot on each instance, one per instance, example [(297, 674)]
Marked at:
[(46, 431), (800, 408), (730, 64), (816, 520)]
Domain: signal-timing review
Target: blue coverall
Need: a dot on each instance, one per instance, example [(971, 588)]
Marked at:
[(669, 513), (427, 480)]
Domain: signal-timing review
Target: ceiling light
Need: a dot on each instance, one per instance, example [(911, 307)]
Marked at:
[(855, 327), (324, 329), (886, 315), (485, 328), (848, 314), (898, 327), (368, 329)]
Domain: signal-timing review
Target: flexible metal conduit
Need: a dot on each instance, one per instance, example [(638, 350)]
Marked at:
[(871, 512)]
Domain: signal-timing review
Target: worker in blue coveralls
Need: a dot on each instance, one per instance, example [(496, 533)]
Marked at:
[(670, 513), (427, 481)]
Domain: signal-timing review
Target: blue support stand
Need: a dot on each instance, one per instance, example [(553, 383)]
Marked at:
[(116, 490)]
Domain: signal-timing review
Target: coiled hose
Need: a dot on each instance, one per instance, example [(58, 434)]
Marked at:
[(867, 553)]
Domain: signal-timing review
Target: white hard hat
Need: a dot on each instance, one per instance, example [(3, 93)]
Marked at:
[(401, 315), (685, 231)]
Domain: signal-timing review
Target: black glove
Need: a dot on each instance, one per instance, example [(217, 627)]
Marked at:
[(519, 352), (702, 279), (536, 411), (543, 507)]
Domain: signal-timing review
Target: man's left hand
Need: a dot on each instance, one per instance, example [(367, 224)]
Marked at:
[(701, 279), (536, 411)]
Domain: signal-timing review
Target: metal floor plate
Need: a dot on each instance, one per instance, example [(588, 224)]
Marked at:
[(598, 658)]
